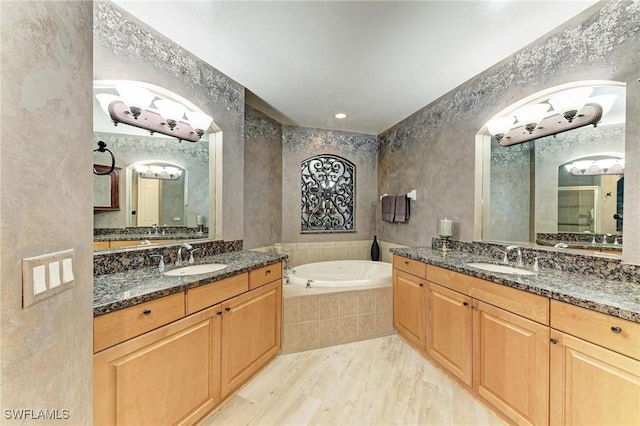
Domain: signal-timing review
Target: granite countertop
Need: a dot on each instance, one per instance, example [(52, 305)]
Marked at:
[(112, 292), (620, 299)]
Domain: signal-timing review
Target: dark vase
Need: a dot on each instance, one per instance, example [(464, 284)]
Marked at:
[(375, 249)]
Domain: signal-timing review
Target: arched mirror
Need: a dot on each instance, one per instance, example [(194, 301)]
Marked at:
[(527, 191)]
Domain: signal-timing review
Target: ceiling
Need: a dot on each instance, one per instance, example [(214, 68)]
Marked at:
[(376, 61)]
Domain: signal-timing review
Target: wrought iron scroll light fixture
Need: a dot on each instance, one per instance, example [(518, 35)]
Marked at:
[(563, 111), (132, 108)]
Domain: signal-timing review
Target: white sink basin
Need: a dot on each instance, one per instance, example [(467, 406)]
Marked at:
[(196, 269), (503, 269)]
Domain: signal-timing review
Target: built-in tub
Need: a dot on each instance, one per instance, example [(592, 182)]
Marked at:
[(342, 274), (347, 301)]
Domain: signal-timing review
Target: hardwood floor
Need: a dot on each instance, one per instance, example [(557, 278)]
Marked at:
[(373, 382)]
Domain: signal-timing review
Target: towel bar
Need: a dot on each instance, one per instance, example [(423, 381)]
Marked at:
[(413, 194)]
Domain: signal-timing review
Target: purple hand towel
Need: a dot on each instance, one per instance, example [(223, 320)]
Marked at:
[(402, 208), (388, 207)]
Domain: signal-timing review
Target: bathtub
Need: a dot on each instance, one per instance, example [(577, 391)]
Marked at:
[(342, 274)]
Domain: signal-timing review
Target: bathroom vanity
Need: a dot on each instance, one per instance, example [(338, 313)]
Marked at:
[(545, 348), (168, 349)]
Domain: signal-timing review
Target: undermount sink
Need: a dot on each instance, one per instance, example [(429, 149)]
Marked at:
[(196, 269), (503, 269)]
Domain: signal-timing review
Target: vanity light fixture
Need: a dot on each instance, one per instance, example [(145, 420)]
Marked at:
[(132, 108), (571, 109), (605, 166), (158, 172)]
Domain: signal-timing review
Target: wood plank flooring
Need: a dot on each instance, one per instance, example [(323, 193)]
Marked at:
[(373, 382)]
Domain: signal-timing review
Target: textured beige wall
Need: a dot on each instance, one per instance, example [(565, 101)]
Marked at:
[(46, 206)]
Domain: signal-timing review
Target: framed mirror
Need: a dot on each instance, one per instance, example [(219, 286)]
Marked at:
[(106, 189)]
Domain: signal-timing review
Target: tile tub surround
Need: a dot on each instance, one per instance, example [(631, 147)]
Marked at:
[(115, 291), (303, 253), (613, 297), (324, 319), (125, 259)]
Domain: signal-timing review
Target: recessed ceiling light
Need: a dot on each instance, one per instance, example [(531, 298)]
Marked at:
[(340, 115)]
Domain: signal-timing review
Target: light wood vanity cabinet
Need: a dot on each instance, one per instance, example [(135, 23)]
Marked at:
[(167, 376), (449, 333), (595, 368), (250, 333), (537, 361), (179, 372), (409, 305), (491, 341)]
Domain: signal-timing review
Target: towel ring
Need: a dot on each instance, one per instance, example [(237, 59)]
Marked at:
[(102, 147)]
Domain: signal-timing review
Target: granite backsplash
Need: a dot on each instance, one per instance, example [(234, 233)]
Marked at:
[(125, 259), (605, 266)]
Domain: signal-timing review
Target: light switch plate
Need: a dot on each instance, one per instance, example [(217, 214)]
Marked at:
[(46, 275)]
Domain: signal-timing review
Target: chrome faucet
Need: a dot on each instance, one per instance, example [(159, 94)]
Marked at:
[(604, 238), (179, 256), (520, 261)]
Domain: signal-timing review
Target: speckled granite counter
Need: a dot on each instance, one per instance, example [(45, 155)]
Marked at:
[(620, 299), (120, 290), (582, 245)]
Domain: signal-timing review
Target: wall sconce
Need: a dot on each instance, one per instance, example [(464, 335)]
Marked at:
[(572, 109), (132, 108), (158, 172)]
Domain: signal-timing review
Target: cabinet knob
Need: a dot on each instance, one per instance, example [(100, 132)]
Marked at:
[(616, 330), (268, 271), (554, 341), (465, 304), (146, 312), (474, 306), (421, 285), (406, 262), (227, 309), (219, 313)]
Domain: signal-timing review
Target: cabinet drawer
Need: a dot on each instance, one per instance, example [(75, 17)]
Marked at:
[(116, 327), (209, 294), (613, 333), (520, 302), (411, 266), (264, 275)]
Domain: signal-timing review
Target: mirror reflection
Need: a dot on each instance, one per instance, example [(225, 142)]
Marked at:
[(528, 191), (173, 205), (156, 194), (591, 195)]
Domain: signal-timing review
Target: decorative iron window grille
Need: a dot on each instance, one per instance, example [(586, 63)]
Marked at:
[(328, 193)]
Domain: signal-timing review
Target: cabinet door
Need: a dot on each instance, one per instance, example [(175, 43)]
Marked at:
[(166, 376), (409, 307), (251, 332), (511, 363), (449, 330), (591, 385)]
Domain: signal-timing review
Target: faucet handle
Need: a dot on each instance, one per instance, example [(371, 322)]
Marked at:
[(536, 267), (191, 260), (161, 264), (505, 259)]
